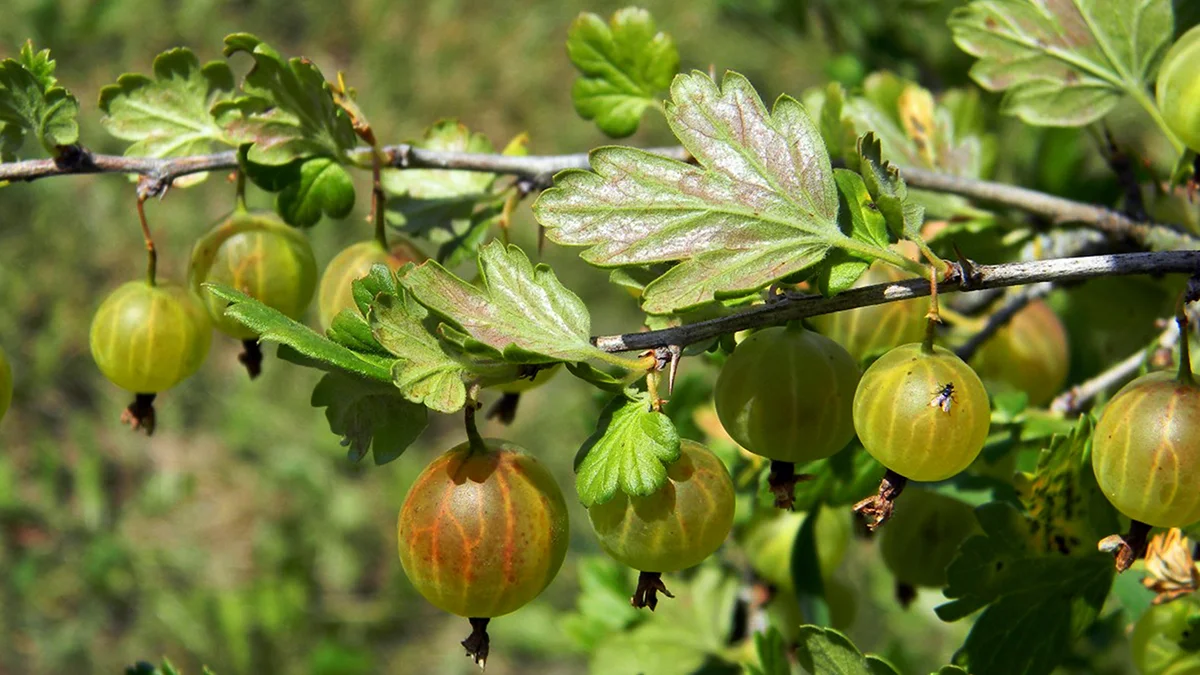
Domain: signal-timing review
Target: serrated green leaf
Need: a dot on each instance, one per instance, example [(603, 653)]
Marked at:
[(1067, 510), (1063, 63), (424, 372), (888, 189), (623, 64), (860, 218), (1030, 597), (289, 111), (323, 187), (522, 313), (761, 206), (825, 651), (169, 115), (628, 452), (369, 415), (273, 326), (31, 102)]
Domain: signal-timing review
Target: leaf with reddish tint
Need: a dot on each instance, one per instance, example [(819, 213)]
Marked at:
[(761, 205), (289, 111), (1064, 63), (520, 313), (629, 451)]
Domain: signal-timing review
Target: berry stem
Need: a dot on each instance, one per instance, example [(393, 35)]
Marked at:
[(649, 585), (251, 357), (933, 317), (477, 642), (1181, 319), (378, 199), (151, 253), (140, 414), (472, 405), (239, 195), (782, 480), (877, 508)]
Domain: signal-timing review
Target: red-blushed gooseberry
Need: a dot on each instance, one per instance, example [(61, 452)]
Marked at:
[(923, 413), (482, 532)]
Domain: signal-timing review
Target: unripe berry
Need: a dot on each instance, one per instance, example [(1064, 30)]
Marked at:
[(146, 339), (259, 255), (354, 262)]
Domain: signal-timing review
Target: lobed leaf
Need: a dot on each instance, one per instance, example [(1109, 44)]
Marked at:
[(169, 114), (628, 452), (424, 372), (622, 65), (289, 111), (762, 204), (273, 326), (32, 103), (1028, 598), (369, 415), (1063, 62), (522, 313)]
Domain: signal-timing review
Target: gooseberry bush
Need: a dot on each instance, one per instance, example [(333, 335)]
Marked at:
[(781, 255)]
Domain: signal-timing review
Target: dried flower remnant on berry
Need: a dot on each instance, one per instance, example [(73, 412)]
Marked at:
[(1170, 569)]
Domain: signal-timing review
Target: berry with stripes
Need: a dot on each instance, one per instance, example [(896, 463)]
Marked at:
[(335, 292), (259, 255), (677, 527), (915, 436), (1146, 450)]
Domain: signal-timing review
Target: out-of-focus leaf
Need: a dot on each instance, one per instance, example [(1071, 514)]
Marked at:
[(273, 326), (771, 653), (603, 602), (1064, 63), (761, 206), (629, 451), (521, 314), (289, 112), (422, 200), (681, 636), (825, 651), (623, 64), (369, 415), (322, 186), (1028, 597), (839, 480), (169, 114), (32, 102)]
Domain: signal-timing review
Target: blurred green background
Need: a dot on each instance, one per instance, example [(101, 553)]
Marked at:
[(239, 536)]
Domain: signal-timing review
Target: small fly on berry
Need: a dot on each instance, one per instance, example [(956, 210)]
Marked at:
[(943, 398)]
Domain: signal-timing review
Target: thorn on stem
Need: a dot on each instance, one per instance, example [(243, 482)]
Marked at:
[(1128, 547), (139, 415), (251, 357), (876, 509), (477, 642), (649, 585)]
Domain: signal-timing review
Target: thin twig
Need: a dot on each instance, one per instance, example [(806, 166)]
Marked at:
[(1001, 317), (540, 168), (1074, 399), (793, 306)]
